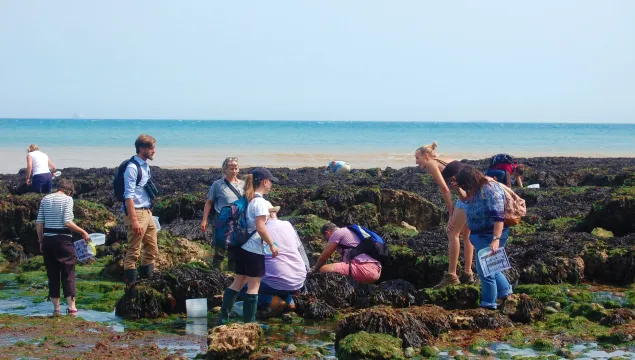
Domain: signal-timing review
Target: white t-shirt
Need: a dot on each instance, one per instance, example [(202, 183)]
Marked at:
[(40, 162), (257, 207)]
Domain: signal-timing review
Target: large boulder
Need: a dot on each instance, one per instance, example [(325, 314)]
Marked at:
[(235, 341), (522, 308), (184, 206), (616, 214)]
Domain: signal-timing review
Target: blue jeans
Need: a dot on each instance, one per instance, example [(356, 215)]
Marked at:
[(495, 285), (266, 293), (499, 175)]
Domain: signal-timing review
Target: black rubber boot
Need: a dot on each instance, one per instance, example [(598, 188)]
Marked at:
[(250, 306), (129, 276), (146, 271), (229, 298)]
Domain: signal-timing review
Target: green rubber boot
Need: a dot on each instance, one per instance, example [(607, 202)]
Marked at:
[(229, 298), (250, 306)]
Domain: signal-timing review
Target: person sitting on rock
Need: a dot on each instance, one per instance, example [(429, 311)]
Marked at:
[(363, 268), (338, 167), (443, 173), (485, 218), (503, 167), (223, 191), (54, 225), (250, 258), (285, 273)]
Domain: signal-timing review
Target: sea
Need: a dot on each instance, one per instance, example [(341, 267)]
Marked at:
[(203, 144)]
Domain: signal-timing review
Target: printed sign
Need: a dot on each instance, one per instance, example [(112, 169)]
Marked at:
[(82, 250), (493, 263)]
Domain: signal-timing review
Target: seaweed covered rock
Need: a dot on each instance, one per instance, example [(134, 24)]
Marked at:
[(363, 345), (451, 297), (12, 252), (166, 292), (312, 308), (190, 229), (618, 317), (414, 325), (185, 206), (332, 288), (594, 311), (522, 308), (477, 319), (616, 214), (142, 301), (93, 217), (395, 293), (235, 341), (610, 260)]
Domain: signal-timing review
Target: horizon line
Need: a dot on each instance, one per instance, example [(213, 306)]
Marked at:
[(313, 120)]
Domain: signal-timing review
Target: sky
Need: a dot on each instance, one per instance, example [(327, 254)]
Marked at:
[(540, 61)]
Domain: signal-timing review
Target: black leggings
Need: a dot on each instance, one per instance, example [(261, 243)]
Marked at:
[(59, 259)]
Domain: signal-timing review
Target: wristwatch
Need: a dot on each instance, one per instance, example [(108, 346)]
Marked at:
[(496, 238)]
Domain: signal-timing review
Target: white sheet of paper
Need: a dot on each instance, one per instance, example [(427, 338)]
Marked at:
[(81, 249), (493, 263)]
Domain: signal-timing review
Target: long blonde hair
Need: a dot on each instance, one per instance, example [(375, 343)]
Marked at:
[(429, 149), (250, 187)]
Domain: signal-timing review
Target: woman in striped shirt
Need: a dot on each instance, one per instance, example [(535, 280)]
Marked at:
[(54, 225)]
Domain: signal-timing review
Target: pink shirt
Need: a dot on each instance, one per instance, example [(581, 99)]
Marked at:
[(346, 237)]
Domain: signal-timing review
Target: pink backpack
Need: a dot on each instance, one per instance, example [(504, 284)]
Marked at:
[(514, 206)]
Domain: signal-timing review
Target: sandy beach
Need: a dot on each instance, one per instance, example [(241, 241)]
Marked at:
[(14, 159)]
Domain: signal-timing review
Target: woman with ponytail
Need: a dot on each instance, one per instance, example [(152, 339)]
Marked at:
[(444, 173), (250, 258)]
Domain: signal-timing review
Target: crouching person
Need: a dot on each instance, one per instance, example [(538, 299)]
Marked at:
[(54, 225), (363, 268), (285, 273)]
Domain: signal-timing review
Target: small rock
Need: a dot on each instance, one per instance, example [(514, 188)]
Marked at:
[(408, 226), (477, 349), (487, 352), (287, 317), (554, 304), (550, 310), (409, 352), (629, 337), (264, 357), (332, 336), (289, 348), (216, 310), (564, 352)]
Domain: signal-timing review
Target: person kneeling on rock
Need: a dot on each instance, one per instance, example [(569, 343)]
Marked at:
[(284, 274), (362, 268)]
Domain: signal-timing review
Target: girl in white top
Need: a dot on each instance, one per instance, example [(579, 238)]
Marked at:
[(39, 169), (250, 258)]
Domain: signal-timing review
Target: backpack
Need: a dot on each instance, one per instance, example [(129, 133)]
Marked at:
[(372, 244), (514, 206), (503, 159), (230, 226), (117, 184)]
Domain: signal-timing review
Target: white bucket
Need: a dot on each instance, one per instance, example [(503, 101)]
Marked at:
[(156, 222), (196, 308), (57, 173), (97, 238), (238, 308)]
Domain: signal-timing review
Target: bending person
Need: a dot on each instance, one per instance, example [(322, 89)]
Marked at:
[(223, 191), (39, 169), (443, 173), (485, 218), (54, 225), (250, 258), (504, 167), (362, 268)]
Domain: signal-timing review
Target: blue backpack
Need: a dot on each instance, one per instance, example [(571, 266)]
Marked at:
[(372, 244), (230, 226)]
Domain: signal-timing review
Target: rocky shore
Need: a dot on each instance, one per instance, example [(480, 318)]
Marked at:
[(579, 230)]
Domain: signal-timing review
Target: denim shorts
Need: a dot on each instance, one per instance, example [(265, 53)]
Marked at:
[(460, 204)]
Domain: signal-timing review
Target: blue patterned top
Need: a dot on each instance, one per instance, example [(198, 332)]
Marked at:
[(486, 208)]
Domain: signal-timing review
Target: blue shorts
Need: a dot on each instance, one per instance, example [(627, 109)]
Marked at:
[(460, 204)]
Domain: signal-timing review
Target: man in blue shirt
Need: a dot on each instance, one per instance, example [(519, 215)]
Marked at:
[(142, 231)]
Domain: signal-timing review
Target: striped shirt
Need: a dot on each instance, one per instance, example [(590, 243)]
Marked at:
[(346, 237), (55, 210)]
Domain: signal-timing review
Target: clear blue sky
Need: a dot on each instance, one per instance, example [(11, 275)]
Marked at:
[(546, 60)]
